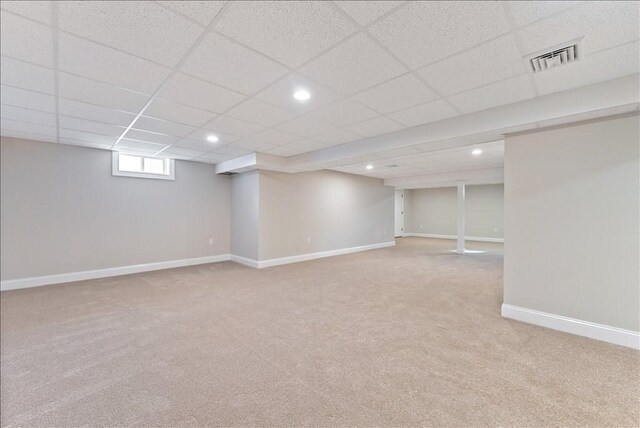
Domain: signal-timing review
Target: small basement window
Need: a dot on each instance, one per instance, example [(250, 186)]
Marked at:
[(142, 167)]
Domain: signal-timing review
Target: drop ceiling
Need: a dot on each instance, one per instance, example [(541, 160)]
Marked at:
[(156, 78)]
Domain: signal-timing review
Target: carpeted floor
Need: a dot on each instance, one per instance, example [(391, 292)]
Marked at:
[(402, 336)]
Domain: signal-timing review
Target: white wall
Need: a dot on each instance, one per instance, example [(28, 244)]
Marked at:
[(571, 222), (321, 211), (62, 211), (245, 196), (434, 211)]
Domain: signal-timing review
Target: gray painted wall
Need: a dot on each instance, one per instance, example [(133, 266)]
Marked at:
[(431, 211), (571, 222), (333, 209), (434, 211), (62, 211), (484, 206), (245, 197)]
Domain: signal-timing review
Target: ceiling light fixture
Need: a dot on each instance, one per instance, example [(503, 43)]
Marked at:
[(476, 152), (213, 138), (301, 95), (369, 166)]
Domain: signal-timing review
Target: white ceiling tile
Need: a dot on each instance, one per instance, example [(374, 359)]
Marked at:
[(306, 145), (201, 11), (169, 110), (353, 66), (27, 99), (231, 151), (223, 62), (199, 144), (26, 40), (305, 127), (373, 127), (27, 76), (91, 112), (89, 137), (496, 94), (281, 94), (397, 94), (146, 123), (254, 146), (212, 158), (175, 152), (489, 62), (603, 24), (94, 127), (290, 32), (605, 65), (269, 137), (365, 12), (36, 10), (526, 12), (197, 93), (342, 113), (202, 134), (27, 128), (425, 113), (141, 144), (422, 32), (142, 28), (150, 137), (337, 136), (284, 151), (229, 125), (264, 114), (109, 65), (100, 94), (26, 115)]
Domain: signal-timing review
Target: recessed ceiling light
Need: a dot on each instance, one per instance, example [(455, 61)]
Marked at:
[(369, 166), (476, 152), (212, 138), (301, 95)]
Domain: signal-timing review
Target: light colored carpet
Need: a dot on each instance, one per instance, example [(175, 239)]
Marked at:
[(402, 336)]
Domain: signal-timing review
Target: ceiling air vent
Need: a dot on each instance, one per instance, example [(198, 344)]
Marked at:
[(555, 58)]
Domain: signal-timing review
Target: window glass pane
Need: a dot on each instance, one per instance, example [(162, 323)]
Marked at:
[(153, 166), (129, 163)]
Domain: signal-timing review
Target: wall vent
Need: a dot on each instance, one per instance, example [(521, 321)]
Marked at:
[(555, 58)]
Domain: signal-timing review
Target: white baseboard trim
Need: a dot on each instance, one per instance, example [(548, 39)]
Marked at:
[(261, 264), (617, 336), (322, 254), (245, 261), (37, 281), (467, 238)]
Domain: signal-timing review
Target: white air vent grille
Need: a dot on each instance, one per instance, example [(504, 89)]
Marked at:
[(554, 58)]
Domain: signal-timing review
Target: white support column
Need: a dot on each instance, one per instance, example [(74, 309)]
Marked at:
[(461, 212)]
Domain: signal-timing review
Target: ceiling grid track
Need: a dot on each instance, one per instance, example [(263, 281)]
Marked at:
[(56, 76)]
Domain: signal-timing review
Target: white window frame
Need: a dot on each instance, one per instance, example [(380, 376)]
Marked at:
[(169, 165)]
